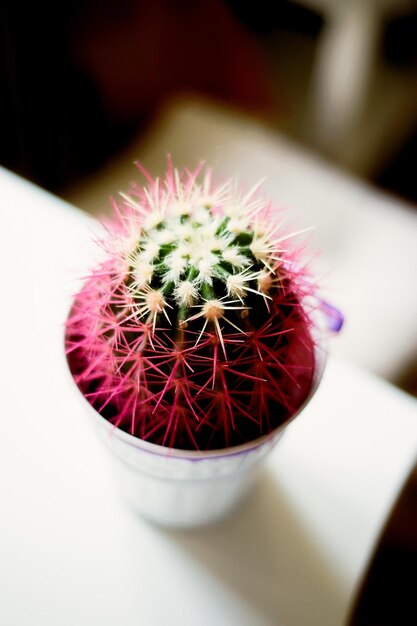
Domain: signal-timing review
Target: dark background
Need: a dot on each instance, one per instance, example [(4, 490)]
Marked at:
[(79, 79)]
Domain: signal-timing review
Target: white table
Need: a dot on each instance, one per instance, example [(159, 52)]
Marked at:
[(71, 553)]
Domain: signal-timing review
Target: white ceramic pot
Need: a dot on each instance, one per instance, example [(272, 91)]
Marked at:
[(186, 488)]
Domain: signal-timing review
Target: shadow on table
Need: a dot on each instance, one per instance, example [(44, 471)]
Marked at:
[(268, 556), (388, 590)]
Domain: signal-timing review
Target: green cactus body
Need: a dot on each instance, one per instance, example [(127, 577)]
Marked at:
[(194, 331)]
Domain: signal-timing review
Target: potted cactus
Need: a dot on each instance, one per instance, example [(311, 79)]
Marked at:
[(193, 342)]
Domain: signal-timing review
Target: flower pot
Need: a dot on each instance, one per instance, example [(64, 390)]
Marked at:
[(185, 488), (194, 343)]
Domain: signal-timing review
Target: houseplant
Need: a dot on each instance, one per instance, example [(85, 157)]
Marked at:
[(193, 342)]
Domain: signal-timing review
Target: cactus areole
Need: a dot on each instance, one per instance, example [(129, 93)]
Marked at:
[(194, 331)]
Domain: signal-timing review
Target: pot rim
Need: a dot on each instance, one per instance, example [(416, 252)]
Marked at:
[(320, 357)]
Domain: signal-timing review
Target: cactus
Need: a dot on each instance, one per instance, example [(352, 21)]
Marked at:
[(194, 330)]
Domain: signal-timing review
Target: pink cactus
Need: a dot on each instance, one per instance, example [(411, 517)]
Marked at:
[(194, 332)]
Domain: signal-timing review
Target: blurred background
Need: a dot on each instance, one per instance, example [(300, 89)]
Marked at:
[(318, 96), (80, 81)]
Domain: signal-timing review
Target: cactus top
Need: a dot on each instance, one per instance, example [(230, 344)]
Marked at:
[(194, 252)]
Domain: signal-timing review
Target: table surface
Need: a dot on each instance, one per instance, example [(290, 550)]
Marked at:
[(71, 553)]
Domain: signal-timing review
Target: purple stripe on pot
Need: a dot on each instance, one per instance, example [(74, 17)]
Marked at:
[(334, 318)]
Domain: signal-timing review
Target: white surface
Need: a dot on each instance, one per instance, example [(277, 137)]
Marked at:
[(70, 553), (367, 240)]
